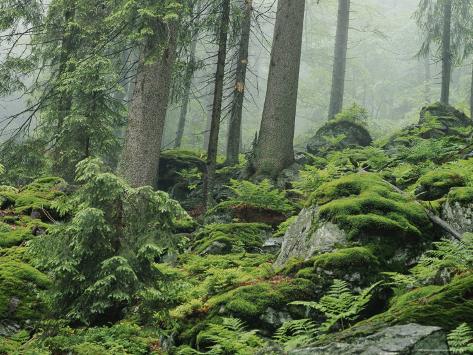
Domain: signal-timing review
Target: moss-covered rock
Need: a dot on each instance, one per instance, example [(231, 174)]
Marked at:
[(371, 214), (437, 183), (19, 283), (232, 237), (338, 135)]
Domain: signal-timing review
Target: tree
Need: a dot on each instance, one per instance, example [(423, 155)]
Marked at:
[(340, 58), (274, 149), (447, 24), (234, 129), (148, 108), (212, 150)]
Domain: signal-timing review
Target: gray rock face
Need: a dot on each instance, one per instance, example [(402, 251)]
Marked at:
[(275, 318), (410, 339), (459, 216), (306, 237)]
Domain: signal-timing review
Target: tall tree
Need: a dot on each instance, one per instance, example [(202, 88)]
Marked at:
[(190, 69), (217, 102), (340, 58), (234, 129), (446, 52), (274, 149), (147, 112)]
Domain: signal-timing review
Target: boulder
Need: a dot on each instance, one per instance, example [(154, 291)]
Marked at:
[(458, 209), (409, 339), (305, 238), (338, 135)]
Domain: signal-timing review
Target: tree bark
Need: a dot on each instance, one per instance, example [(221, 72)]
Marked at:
[(471, 94), (147, 112), (187, 87), (217, 105), (274, 150), (428, 78), (340, 59), (446, 52), (234, 129)]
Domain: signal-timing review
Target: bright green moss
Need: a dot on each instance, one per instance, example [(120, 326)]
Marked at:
[(437, 183), (20, 281), (15, 236), (365, 206), (250, 302), (461, 194), (197, 265), (347, 259), (235, 237)]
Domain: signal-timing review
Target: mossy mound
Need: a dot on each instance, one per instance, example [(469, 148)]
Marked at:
[(172, 162), (356, 259), (372, 213), (230, 238), (19, 283), (339, 135), (437, 183), (462, 195), (447, 116)]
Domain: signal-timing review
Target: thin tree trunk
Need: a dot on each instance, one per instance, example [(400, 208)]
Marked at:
[(147, 113), (187, 87), (208, 121), (274, 150), (217, 104), (428, 78), (446, 52), (340, 59), (471, 94), (234, 129)]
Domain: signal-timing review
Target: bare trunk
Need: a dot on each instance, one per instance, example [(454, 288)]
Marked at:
[(147, 113), (217, 105), (446, 52), (428, 79), (340, 58), (274, 150), (208, 121), (471, 94), (234, 129), (187, 88)]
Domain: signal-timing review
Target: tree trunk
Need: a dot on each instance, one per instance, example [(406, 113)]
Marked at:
[(217, 104), (471, 94), (274, 150), (187, 87), (147, 112), (428, 78), (234, 129), (446, 52), (340, 59)]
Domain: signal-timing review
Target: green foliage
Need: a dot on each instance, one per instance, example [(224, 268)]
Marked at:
[(354, 113), (226, 337), (460, 340), (262, 195), (106, 253), (339, 305), (438, 183), (297, 333), (348, 259), (235, 237)]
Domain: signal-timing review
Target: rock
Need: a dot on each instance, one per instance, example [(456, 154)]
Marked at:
[(409, 339), (304, 239), (338, 135), (8, 328), (458, 215), (275, 318), (272, 245), (216, 248)]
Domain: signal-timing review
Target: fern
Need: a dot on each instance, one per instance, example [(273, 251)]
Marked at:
[(339, 305), (297, 333), (460, 340)]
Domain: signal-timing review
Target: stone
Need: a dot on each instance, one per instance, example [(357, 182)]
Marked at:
[(458, 215), (349, 133), (409, 339), (275, 318), (305, 237), (216, 248)]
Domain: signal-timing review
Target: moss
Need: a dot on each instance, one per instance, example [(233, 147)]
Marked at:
[(347, 259), (437, 183), (365, 206), (20, 281), (461, 195), (15, 236), (250, 302), (235, 237)]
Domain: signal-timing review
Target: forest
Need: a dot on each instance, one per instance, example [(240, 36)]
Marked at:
[(248, 177)]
